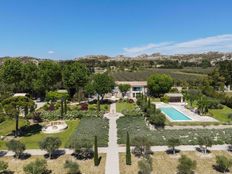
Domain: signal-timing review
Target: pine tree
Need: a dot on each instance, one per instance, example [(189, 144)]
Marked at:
[(96, 159), (128, 153)]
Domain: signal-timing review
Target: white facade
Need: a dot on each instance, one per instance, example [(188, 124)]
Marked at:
[(137, 88)]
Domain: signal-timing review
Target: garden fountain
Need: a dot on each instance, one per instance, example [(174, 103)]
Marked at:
[(54, 127)]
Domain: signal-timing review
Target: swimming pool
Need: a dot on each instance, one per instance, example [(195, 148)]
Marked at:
[(174, 114)]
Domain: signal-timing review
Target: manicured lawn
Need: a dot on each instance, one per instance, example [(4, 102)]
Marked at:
[(8, 126), (31, 140), (91, 126), (153, 99), (221, 114), (167, 164), (57, 165), (136, 127), (120, 106)]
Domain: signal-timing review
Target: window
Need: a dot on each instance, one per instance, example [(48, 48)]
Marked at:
[(137, 88)]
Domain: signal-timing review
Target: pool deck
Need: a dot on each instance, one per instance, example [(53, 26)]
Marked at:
[(181, 108)]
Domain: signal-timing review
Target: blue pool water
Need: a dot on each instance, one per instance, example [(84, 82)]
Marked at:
[(174, 114)]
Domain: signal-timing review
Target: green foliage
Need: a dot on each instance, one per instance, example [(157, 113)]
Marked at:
[(128, 152), (54, 96), (165, 99), (91, 126), (172, 143), (17, 147), (223, 163), (103, 84), (75, 76), (192, 95), (136, 126), (157, 118), (186, 165), (216, 80), (50, 144), (142, 146), (124, 88), (39, 166), (12, 72), (55, 115), (145, 166), (96, 159), (204, 142), (3, 166), (159, 84), (72, 167)]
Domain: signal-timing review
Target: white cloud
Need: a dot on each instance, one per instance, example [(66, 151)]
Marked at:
[(213, 43), (51, 52)]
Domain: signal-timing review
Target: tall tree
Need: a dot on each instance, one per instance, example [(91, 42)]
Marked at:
[(103, 84), (158, 84), (96, 159), (128, 152), (12, 73), (75, 76), (13, 106), (49, 74), (124, 88)]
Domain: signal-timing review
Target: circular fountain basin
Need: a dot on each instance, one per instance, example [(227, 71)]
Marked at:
[(54, 127)]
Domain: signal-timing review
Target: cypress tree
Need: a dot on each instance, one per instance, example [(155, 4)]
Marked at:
[(128, 153), (149, 103), (65, 106), (98, 105), (96, 159), (62, 108)]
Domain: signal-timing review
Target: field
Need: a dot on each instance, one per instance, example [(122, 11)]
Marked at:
[(136, 127), (166, 164), (177, 74), (89, 127), (56, 165), (120, 106)]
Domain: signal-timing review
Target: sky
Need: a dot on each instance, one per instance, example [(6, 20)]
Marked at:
[(65, 29)]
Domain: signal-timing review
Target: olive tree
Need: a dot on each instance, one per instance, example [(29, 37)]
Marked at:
[(172, 143), (50, 144), (17, 147)]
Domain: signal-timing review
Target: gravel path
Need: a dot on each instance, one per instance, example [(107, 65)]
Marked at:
[(112, 157)]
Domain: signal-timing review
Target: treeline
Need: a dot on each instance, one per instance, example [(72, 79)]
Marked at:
[(38, 78)]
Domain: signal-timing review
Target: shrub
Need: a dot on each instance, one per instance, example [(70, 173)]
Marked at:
[(82, 149), (39, 166), (50, 144), (186, 165), (223, 164), (165, 99), (2, 117), (3, 166), (158, 119), (17, 147), (142, 147), (84, 106), (145, 166), (72, 167)]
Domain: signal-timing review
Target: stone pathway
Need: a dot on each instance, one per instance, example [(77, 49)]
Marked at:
[(112, 157)]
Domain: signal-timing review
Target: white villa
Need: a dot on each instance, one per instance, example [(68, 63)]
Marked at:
[(137, 88)]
